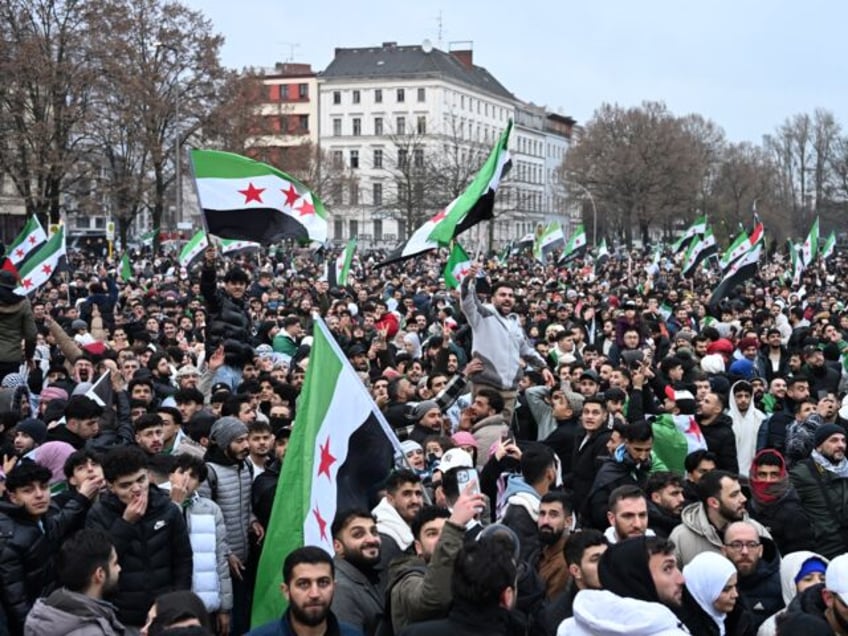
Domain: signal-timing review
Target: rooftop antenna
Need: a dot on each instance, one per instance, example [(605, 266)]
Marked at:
[(292, 46), (440, 25)]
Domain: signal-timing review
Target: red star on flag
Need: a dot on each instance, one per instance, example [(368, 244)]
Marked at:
[(306, 208), (19, 252), (327, 459), (291, 195), (47, 268), (252, 193), (439, 216), (322, 523), (694, 429), (32, 239), (27, 283)]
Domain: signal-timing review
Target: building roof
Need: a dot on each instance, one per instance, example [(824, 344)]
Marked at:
[(392, 61)]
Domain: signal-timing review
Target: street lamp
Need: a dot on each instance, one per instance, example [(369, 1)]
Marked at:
[(594, 213), (178, 193)]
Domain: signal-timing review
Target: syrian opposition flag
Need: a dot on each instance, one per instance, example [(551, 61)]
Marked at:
[(740, 271), (101, 391), (339, 270), (797, 265), (675, 436), (810, 247), (234, 246), (126, 268), (26, 241), (699, 250), (40, 266), (525, 241), (829, 246), (698, 227), (603, 254), (341, 449), (418, 243), (740, 246), (457, 266), (548, 240), (576, 245), (193, 249), (252, 201), (653, 268)]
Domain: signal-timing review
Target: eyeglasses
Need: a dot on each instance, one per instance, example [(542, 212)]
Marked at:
[(737, 546)]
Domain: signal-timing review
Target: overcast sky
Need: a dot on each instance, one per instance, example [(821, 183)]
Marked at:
[(745, 64)]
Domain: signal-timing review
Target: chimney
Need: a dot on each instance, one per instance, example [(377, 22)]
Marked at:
[(389, 45), (464, 57)]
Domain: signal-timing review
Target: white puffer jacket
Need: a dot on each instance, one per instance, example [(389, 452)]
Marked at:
[(208, 535)]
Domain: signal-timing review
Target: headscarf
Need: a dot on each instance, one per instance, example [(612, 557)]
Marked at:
[(706, 575), (52, 455), (413, 340), (745, 427), (790, 566), (767, 492)]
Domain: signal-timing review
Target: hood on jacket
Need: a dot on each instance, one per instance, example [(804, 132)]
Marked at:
[(519, 493), (65, 611), (623, 570), (390, 522), (790, 565), (602, 613), (10, 302)]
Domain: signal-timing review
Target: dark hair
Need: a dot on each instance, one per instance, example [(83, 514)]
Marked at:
[(496, 402), (557, 496), (659, 545), (148, 420), (579, 541), (694, 459), (426, 515), (232, 405), (138, 381), (536, 458), (307, 554), (200, 425), (184, 396), (177, 606), (660, 480), (800, 403), (344, 517), (77, 459), (482, 570), (173, 412), (595, 399), (710, 484), (123, 460), (25, 473), (191, 464), (638, 431), (259, 426), (82, 407), (399, 477), (797, 379), (236, 275), (627, 491), (79, 557)]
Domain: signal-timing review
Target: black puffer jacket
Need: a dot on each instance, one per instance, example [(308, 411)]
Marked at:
[(228, 318), (155, 553), (722, 441), (27, 553)]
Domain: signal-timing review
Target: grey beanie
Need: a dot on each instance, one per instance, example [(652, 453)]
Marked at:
[(421, 409), (226, 429)]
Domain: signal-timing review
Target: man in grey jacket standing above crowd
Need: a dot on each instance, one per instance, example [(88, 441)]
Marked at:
[(499, 340)]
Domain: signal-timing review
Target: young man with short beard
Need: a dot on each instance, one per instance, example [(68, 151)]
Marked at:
[(358, 598), (555, 522)]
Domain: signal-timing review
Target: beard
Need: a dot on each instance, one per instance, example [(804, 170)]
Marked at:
[(311, 616), (730, 514), (549, 536), (362, 562)]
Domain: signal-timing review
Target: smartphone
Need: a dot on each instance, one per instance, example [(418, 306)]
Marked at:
[(465, 476)]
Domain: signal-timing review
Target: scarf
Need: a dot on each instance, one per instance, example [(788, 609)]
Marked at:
[(767, 492), (840, 469), (706, 575)]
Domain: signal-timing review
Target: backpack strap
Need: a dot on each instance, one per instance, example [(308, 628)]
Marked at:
[(212, 480)]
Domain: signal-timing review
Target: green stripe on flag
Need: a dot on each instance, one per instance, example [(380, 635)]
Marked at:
[(456, 267)]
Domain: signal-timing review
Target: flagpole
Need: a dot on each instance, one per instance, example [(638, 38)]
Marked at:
[(190, 163)]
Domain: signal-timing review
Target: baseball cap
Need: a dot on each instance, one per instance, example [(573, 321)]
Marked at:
[(591, 375), (455, 458)]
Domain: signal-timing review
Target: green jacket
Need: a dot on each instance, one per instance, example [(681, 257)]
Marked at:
[(830, 524), (16, 323)]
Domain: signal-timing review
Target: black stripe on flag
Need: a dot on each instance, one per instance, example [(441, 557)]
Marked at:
[(370, 458), (262, 225)]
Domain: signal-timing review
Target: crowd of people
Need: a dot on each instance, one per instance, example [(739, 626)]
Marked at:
[(588, 449)]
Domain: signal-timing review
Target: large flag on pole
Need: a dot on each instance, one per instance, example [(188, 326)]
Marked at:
[(810, 248), (29, 238), (457, 266), (797, 265), (698, 227), (550, 239), (576, 245), (41, 265), (740, 271), (475, 204), (193, 249), (829, 246), (699, 250), (740, 246), (340, 449), (603, 254), (233, 246), (338, 271), (252, 201)]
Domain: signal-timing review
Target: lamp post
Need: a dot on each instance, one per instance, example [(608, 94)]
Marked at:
[(178, 190), (594, 213)]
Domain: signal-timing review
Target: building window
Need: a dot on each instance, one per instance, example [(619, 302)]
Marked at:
[(354, 192), (355, 97), (421, 94), (303, 91), (400, 126), (401, 95), (403, 158), (421, 125), (357, 126), (378, 126), (303, 123), (353, 224), (337, 127), (377, 193), (418, 158), (337, 97), (338, 159), (338, 229), (418, 192), (354, 159), (401, 225), (378, 95), (378, 158), (378, 229)]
